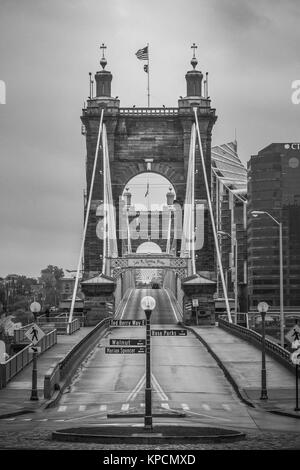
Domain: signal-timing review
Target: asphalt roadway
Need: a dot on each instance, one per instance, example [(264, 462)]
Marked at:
[(185, 379)]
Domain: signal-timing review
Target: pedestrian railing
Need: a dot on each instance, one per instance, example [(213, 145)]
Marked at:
[(59, 375), (16, 363), (274, 349), (61, 324)]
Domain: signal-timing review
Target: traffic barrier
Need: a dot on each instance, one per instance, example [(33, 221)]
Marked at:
[(16, 363), (276, 351), (60, 374)]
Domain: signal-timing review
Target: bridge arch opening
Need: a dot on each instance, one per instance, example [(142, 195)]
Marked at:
[(148, 191)]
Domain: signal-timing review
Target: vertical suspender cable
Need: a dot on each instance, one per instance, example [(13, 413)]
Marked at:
[(212, 218), (104, 202), (85, 223)]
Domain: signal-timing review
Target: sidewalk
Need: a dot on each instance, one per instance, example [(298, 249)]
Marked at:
[(243, 362), (15, 398)]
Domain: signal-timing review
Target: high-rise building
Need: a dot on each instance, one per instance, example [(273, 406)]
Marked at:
[(229, 195), (274, 187)]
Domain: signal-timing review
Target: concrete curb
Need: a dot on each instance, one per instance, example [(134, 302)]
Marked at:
[(239, 391), (17, 413), (155, 437)]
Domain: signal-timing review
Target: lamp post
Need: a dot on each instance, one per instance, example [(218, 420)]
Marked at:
[(263, 307), (221, 233), (148, 304), (256, 214)]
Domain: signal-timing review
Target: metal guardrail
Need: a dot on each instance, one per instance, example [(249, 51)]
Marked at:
[(279, 353), (64, 369), (61, 324), (19, 334), (16, 363)]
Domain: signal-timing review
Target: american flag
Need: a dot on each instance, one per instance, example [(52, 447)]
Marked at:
[(142, 54)]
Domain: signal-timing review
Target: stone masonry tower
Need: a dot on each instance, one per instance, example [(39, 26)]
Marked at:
[(138, 137)]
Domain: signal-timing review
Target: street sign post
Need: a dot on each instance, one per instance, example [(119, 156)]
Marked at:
[(168, 332), (127, 342), (127, 323), (125, 350), (34, 334), (295, 358), (294, 334)]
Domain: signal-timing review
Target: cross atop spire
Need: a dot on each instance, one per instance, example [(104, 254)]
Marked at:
[(194, 61), (103, 61), (194, 47)]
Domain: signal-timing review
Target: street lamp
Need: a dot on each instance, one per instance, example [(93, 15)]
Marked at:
[(263, 307), (148, 304), (221, 233), (256, 214)]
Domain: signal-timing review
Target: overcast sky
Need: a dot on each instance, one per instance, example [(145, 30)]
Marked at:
[(47, 48)]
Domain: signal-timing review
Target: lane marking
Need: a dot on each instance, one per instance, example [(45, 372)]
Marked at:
[(226, 407), (83, 417), (124, 308), (9, 419), (138, 385), (159, 389), (103, 408), (185, 406), (206, 416), (172, 306), (44, 419), (26, 419), (132, 396), (62, 408), (125, 407), (82, 408), (206, 407)]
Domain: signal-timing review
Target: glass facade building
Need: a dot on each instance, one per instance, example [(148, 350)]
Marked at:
[(274, 187)]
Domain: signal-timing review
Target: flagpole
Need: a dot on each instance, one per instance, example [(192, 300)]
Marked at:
[(148, 77)]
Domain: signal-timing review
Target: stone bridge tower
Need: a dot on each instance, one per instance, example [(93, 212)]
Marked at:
[(140, 139)]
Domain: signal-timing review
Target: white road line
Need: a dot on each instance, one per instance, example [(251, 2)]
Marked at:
[(172, 306), (124, 308), (82, 407), (165, 405), (83, 417), (62, 408), (206, 407), (185, 406), (26, 419), (59, 420), (125, 407), (9, 419), (103, 408), (159, 389), (226, 407), (135, 390), (44, 419), (207, 416)]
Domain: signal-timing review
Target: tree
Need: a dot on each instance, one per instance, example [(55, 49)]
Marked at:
[(50, 277)]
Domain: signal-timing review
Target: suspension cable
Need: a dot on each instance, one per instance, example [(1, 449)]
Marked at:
[(212, 218), (86, 222)]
